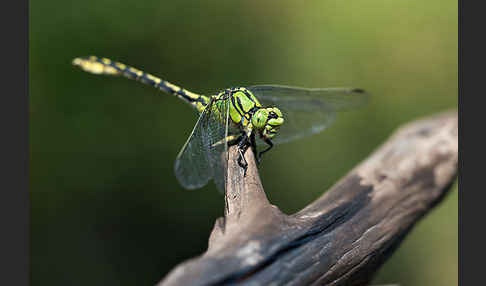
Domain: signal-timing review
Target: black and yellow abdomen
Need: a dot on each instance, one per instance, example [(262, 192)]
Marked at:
[(242, 103), (106, 66)]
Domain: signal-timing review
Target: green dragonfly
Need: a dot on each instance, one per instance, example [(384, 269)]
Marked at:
[(244, 116)]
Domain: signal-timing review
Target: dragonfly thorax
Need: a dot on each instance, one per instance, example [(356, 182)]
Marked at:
[(247, 112), (242, 105)]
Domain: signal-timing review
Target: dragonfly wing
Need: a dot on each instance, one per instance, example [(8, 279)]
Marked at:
[(307, 111), (192, 168), (205, 154), (216, 138)]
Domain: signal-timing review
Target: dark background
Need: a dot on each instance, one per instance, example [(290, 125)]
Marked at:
[(106, 208)]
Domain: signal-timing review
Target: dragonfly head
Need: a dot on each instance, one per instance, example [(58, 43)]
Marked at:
[(267, 121)]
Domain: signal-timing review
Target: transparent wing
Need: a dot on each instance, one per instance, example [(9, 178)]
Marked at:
[(307, 111), (205, 154), (192, 167), (216, 138)]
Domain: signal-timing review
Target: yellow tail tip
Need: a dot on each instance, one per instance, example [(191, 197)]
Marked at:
[(77, 61), (92, 65)]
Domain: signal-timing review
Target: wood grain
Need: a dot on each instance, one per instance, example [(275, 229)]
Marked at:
[(344, 236)]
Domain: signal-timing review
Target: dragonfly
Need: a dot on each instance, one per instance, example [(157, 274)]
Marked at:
[(259, 115)]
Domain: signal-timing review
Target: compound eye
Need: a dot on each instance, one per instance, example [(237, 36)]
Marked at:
[(260, 118)]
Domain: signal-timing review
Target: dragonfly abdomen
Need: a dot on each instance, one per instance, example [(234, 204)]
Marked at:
[(96, 65)]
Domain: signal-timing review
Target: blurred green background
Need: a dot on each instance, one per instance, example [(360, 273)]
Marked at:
[(106, 208)]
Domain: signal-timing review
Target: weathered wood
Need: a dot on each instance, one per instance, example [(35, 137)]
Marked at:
[(341, 238)]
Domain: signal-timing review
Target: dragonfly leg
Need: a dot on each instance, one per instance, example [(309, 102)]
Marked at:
[(243, 145), (270, 145), (230, 140)]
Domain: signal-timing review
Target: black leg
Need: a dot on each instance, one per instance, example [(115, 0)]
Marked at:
[(270, 145), (235, 141), (242, 147)]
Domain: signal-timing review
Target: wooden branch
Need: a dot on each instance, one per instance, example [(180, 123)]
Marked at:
[(344, 236)]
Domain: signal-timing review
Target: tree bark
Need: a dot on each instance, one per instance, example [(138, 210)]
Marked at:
[(344, 236)]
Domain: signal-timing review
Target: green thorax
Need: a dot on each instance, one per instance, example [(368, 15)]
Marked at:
[(242, 104)]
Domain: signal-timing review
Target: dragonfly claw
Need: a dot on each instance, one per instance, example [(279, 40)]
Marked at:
[(243, 164), (244, 170)]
